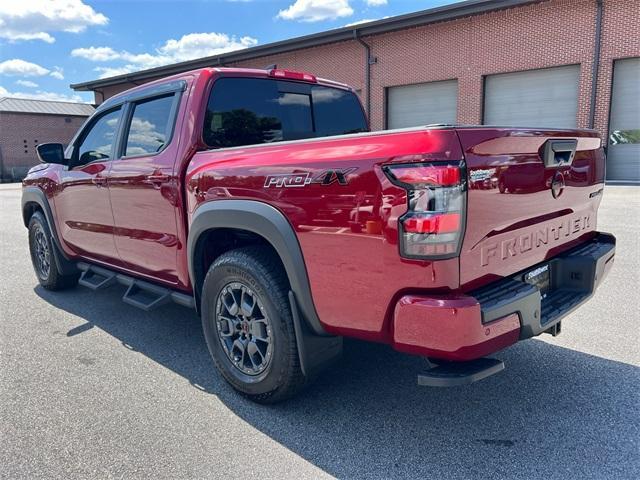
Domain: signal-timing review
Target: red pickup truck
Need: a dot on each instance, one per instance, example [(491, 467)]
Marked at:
[(259, 198)]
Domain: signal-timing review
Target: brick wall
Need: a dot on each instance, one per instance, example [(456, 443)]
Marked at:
[(21, 132), (536, 36), (343, 62), (545, 34)]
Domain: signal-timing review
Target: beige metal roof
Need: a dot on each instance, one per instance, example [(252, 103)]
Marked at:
[(26, 105)]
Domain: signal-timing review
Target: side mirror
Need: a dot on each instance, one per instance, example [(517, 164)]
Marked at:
[(51, 153)]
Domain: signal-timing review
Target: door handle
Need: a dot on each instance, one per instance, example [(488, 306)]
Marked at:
[(156, 179), (559, 152), (99, 180)]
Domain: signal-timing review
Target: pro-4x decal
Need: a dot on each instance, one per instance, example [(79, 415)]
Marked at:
[(327, 177)]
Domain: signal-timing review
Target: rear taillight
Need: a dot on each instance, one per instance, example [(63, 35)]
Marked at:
[(434, 222)]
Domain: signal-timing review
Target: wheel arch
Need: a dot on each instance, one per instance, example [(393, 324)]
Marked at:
[(264, 221), (35, 200)]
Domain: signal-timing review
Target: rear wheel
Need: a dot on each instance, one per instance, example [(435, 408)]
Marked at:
[(43, 256), (248, 324)]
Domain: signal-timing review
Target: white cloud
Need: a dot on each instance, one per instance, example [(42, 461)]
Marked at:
[(96, 54), (365, 20), (358, 22), (106, 72), (196, 45), (43, 95), (14, 36), (34, 19), (57, 73), (188, 47), (316, 10), (26, 83), (375, 3), (22, 68)]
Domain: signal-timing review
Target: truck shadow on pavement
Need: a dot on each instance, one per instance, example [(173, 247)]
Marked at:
[(553, 412)]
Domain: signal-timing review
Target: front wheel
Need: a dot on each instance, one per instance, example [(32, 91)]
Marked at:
[(43, 254), (248, 325)]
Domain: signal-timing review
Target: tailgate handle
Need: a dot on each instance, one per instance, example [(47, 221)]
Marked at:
[(559, 153)]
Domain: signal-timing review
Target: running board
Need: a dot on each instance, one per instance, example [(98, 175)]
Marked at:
[(97, 278), (140, 294), (146, 296), (453, 374)]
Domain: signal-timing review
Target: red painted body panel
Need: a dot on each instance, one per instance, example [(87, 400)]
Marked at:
[(512, 212), (348, 234), (449, 327), (146, 200), (86, 231)]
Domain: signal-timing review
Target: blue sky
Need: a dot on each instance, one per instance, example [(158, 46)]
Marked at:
[(45, 45)]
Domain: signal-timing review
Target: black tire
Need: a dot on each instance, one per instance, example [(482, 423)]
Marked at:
[(43, 254), (258, 273), (502, 188)]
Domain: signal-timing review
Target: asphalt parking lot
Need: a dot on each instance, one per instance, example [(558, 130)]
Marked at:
[(91, 387)]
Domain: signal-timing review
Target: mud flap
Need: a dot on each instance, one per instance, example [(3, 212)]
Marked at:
[(316, 352)]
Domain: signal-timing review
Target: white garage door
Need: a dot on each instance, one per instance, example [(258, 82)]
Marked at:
[(422, 104), (536, 98), (623, 159)]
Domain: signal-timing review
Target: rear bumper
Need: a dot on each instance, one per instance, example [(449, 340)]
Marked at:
[(465, 327)]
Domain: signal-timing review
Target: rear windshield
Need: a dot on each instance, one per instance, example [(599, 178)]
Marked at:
[(248, 111)]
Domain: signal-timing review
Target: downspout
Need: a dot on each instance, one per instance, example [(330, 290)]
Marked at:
[(369, 60), (595, 64), (95, 99)]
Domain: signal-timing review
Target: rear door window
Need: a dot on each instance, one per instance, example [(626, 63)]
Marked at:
[(150, 127), (248, 111)]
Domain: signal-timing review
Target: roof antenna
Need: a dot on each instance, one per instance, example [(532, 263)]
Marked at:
[(273, 66)]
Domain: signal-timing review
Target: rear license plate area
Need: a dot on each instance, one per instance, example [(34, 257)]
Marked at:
[(539, 277)]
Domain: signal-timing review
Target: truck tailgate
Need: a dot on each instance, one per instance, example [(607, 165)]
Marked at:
[(529, 197)]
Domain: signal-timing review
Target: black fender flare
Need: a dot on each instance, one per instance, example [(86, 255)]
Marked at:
[(268, 222), (34, 195)]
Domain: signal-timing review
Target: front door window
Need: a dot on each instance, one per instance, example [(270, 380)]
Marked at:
[(98, 142)]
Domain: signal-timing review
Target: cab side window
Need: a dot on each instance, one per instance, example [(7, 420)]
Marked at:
[(150, 127), (97, 144)]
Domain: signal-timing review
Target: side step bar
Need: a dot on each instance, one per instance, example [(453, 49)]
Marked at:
[(97, 278), (140, 294), (453, 374)]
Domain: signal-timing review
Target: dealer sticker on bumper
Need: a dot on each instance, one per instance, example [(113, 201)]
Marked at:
[(540, 277)]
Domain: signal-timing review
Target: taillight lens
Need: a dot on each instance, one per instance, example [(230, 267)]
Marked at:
[(436, 176), (291, 75), (434, 222)]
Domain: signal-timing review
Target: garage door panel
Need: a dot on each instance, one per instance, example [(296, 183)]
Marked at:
[(536, 98), (422, 104), (625, 101), (623, 159), (623, 164)]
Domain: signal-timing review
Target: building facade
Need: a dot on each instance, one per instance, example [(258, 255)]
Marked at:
[(553, 63), (26, 123)]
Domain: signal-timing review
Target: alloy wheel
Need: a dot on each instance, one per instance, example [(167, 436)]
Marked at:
[(42, 253), (244, 329)]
